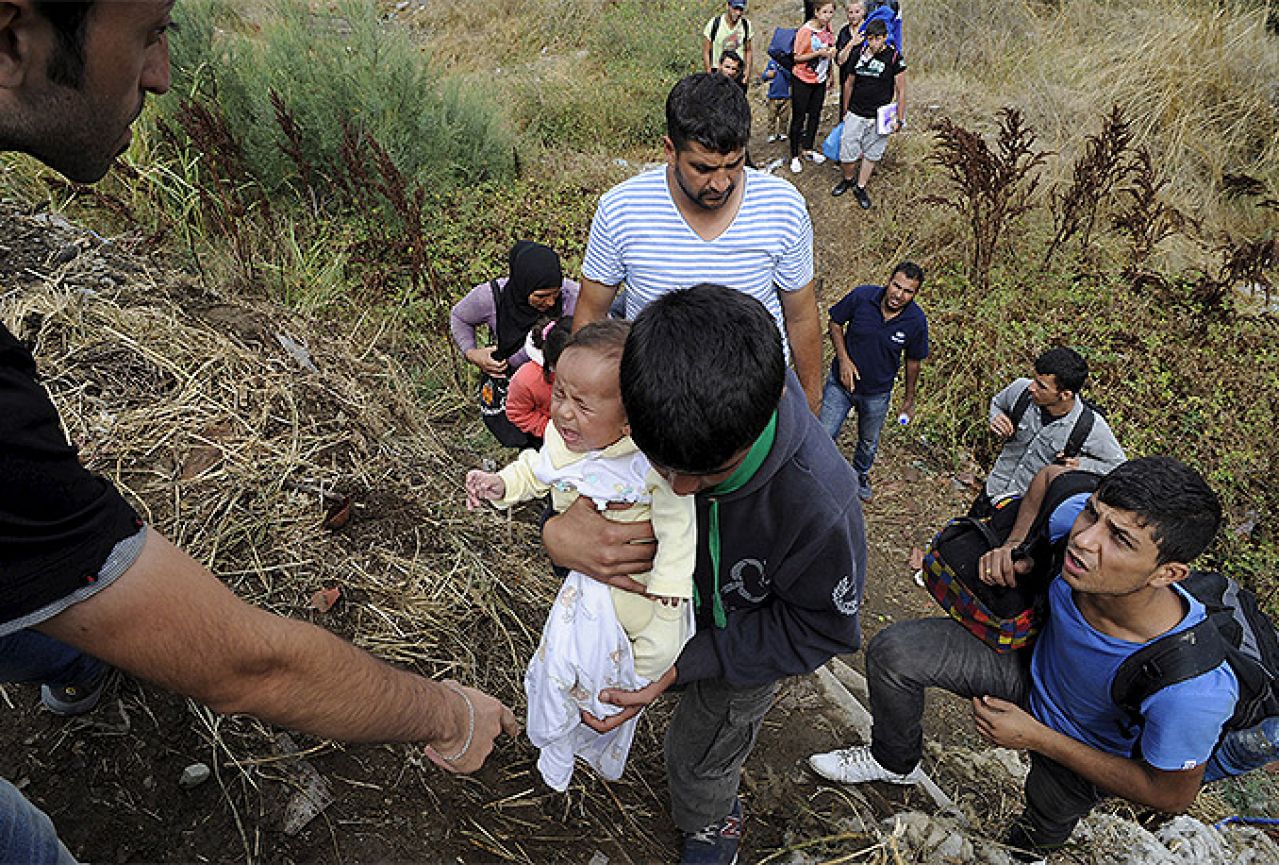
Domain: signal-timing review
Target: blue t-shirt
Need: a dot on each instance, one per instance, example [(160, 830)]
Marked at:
[(876, 346), (779, 84), (1073, 666)]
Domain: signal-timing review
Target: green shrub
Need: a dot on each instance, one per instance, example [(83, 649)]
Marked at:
[(329, 71)]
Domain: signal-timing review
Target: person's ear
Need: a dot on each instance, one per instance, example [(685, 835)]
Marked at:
[(1169, 573), (669, 147), (21, 30)]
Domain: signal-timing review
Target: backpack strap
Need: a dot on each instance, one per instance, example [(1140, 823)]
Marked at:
[(1168, 660), (1019, 407), (714, 33), (497, 310), (1080, 432)]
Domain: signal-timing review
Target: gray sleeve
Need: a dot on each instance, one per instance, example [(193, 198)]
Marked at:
[(1101, 452), (1002, 402)]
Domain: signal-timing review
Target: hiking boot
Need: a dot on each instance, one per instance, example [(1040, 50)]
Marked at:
[(71, 700), (862, 198), (795, 165), (863, 488), (857, 766), (715, 844), (815, 157), (841, 187)]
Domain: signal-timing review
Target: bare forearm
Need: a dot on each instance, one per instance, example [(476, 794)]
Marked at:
[(592, 303), (1130, 779), (836, 332), (804, 332), (912, 380)]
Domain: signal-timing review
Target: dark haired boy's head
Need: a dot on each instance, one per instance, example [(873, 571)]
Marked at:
[(1169, 497), (1065, 365), (553, 345), (585, 403), (701, 376), (709, 110), (730, 65), (74, 93), (876, 27)]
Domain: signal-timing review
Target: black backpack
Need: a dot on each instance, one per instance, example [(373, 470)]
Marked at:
[(1236, 631), (1079, 432)]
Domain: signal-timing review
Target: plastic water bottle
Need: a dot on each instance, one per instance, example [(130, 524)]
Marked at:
[(903, 419)]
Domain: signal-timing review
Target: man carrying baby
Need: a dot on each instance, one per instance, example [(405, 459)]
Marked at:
[(781, 549)]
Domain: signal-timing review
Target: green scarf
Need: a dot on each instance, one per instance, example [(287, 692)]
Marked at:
[(754, 459)]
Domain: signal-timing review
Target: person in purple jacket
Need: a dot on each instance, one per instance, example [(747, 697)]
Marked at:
[(781, 549), (536, 286)]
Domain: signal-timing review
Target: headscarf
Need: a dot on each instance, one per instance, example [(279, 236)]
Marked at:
[(533, 266)]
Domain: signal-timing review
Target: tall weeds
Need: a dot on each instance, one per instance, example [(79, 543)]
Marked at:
[(989, 187), (1094, 175)]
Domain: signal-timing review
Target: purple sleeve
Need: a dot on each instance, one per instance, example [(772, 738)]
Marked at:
[(470, 312)]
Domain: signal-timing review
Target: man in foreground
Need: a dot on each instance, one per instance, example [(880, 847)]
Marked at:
[(706, 217), (1129, 547), (781, 550), (83, 582)]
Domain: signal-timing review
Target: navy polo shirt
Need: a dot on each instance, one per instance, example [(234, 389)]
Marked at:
[(875, 345)]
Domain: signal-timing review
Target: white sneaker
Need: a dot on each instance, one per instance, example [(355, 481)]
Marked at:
[(772, 138), (795, 165), (857, 766), (815, 157)]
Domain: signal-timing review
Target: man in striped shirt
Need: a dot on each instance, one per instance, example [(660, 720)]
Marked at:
[(706, 217)]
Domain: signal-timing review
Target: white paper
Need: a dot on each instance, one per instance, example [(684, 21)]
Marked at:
[(884, 118)]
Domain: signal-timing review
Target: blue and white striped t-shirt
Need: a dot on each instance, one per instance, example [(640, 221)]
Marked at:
[(639, 237)]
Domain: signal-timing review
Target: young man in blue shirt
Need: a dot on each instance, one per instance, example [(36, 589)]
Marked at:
[(872, 328), (1130, 545)]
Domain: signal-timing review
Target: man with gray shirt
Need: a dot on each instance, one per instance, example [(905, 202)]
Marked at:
[(1044, 420)]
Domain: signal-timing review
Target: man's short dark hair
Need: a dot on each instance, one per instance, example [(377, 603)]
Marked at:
[(910, 270), (710, 109), (876, 27), (1173, 499), (1064, 364), (702, 374), (69, 18)]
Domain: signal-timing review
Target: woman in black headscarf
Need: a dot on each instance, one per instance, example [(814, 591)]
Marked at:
[(508, 307)]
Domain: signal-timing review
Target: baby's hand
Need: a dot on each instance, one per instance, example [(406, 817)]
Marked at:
[(483, 487)]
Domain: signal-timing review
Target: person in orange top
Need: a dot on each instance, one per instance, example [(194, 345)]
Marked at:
[(814, 51), (528, 400)]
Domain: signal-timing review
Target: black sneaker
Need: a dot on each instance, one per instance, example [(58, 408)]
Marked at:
[(862, 198), (717, 843), (71, 700), (841, 187)]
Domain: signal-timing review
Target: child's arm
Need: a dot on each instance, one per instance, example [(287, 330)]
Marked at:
[(656, 647), (483, 487), (674, 521)]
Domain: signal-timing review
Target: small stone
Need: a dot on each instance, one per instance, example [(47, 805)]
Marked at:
[(67, 253), (194, 775)]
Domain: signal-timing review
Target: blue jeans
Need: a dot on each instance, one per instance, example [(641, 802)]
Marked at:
[(30, 656), (871, 410), (1244, 750), (26, 832)]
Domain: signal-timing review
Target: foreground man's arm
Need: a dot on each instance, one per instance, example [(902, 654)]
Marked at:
[(170, 621)]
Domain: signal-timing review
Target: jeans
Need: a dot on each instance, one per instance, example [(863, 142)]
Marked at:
[(871, 411), (806, 114), (905, 659), (30, 656), (26, 832), (710, 736), (1244, 750)]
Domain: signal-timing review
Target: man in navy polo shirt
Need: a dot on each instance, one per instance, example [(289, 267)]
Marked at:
[(871, 328)]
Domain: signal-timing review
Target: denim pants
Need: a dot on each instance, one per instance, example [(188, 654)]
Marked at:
[(871, 411), (30, 656), (710, 736), (907, 658), (26, 832)]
